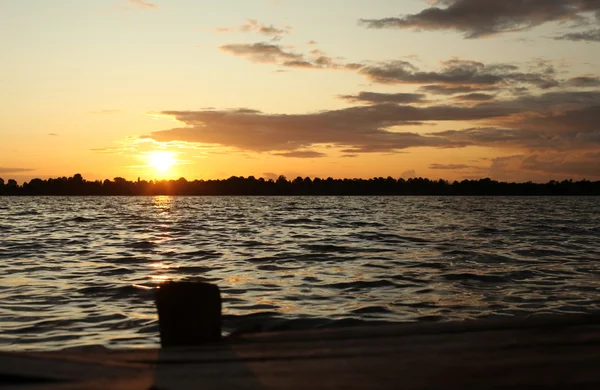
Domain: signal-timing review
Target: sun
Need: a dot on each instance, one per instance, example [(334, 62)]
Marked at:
[(161, 161)]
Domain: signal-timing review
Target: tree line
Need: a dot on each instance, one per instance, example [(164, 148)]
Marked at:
[(77, 185)]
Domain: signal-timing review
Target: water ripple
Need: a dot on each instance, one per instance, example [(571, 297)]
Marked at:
[(81, 271)]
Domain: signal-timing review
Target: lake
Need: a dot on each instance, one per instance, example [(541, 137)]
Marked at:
[(80, 271)]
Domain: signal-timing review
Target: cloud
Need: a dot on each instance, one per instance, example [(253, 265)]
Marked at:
[(575, 121), (253, 25), (498, 137), (553, 120), (584, 82), (262, 52), (482, 18), (276, 54), (108, 150), (374, 97), (15, 170), (455, 76), (558, 121), (569, 130), (301, 154), (360, 129), (559, 98), (298, 64), (566, 164), (142, 4), (456, 72), (53, 134), (474, 97), (437, 89), (548, 166), (271, 31), (588, 36), (450, 167), (408, 174), (270, 176)]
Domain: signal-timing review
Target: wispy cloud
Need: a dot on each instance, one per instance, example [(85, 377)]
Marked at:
[(301, 154), (584, 82), (15, 170), (460, 73), (262, 52), (475, 97), (408, 174), (142, 4), (111, 150), (277, 54), (547, 166), (563, 163), (441, 89), (373, 97), (450, 167), (455, 75), (253, 25), (588, 36), (482, 18)]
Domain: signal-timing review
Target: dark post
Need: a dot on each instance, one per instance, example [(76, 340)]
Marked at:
[(189, 313)]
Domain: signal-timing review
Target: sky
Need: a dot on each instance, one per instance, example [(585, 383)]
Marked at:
[(162, 89)]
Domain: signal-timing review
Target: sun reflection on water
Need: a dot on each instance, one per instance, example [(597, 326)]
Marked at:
[(75, 281)]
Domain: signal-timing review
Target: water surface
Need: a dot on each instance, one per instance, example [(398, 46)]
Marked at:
[(79, 271)]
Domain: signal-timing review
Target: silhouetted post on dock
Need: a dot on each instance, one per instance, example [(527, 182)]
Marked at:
[(189, 313)]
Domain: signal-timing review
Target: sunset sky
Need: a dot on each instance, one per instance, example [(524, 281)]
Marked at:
[(157, 89)]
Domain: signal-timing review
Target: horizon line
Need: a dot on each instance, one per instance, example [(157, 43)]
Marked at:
[(274, 178)]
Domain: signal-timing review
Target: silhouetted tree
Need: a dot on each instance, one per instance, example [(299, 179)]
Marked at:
[(235, 185)]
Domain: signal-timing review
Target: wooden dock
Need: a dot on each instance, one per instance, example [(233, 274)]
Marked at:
[(560, 352)]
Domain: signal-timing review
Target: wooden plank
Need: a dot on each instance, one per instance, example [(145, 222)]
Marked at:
[(540, 353)]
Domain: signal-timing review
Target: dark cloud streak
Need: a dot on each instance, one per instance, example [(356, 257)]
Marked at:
[(276, 54), (475, 97), (587, 36), (374, 97), (362, 129), (450, 167), (253, 25), (437, 89), (262, 52), (457, 72), (301, 154), (481, 18), (584, 82), (15, 170)]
